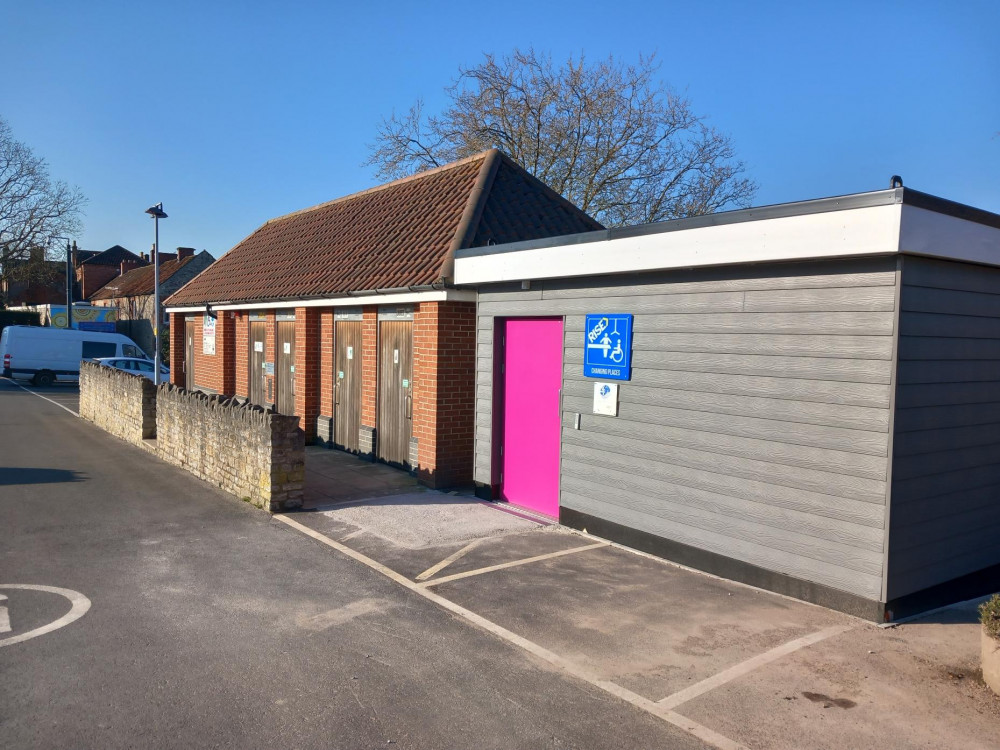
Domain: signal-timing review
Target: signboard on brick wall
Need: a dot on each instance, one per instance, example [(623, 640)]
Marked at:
[(208, 335)]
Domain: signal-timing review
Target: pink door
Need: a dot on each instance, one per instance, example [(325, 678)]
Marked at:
[(532, 377)]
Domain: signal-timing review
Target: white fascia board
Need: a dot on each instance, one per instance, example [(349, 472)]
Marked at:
[(872, 230), (938, 235), (402, 298)]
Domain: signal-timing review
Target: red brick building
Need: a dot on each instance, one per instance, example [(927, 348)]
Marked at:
[(345, 313)]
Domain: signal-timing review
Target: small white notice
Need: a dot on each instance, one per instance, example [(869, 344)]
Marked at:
[(395, 356), (258, 346), (288, 348), (350, 352), (606, 399), (208, 335)]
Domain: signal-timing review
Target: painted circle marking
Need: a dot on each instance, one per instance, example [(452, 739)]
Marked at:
[(80, 606)]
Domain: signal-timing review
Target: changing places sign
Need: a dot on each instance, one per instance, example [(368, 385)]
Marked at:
[(607, 347)]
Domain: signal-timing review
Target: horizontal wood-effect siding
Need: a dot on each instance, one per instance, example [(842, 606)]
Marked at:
[(756, 421), (945, 515)]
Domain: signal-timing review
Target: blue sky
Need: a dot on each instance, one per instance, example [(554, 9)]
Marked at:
[(232, 113)]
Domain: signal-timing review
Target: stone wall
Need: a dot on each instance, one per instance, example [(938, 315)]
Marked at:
[(118, 402), (253, 453)]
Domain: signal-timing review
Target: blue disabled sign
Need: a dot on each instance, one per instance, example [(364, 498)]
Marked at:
[(607, 347)]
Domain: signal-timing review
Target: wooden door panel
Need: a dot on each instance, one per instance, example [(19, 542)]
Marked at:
[(347, 385), (395, 375), (256, 357), (284, 368)]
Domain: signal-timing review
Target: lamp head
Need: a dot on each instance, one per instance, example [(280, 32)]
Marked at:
[(157, 211)]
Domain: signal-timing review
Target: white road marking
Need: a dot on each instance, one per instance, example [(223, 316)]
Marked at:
[(4, 616), (340, 615), (691, 727), (435, 569), (80, 605), (36, 393), (514, 564), (745, 667), (353, 534)]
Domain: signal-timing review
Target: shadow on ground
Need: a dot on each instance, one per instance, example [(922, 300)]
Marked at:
[(13, 476)]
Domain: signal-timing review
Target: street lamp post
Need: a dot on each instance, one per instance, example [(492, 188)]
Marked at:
[(69, 282), (157, 213)]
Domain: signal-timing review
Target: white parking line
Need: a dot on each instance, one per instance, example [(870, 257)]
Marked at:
[(745, 667), (703, 733), (36, 393), (437, 568), (514, 564), (79, 607)]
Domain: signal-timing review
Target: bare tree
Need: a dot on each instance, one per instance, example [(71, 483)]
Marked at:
[(608, 136), (32, 209)]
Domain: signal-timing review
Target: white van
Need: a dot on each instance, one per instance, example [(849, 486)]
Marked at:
[(45, 355)]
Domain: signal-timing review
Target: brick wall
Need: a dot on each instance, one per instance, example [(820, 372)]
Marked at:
[(241, 355), (307, 358), (176, 334), (444, 399), (118, 402), (456, 383), (257, 455), (327, 360), (92, 277), (369, 366)]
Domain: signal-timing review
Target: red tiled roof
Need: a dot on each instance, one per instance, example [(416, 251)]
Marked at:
[(398, 235), (139, 281)]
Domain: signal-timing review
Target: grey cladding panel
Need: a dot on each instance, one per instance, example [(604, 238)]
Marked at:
[(755, 424), (946, 456)]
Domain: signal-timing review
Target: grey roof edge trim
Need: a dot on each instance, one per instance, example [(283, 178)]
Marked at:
[(906, 196)]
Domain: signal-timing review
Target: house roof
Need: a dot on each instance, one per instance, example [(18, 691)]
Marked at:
[(139, 281), (399, 235), (113, 256)]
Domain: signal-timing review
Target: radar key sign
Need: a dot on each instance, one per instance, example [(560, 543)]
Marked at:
[(607, 347)]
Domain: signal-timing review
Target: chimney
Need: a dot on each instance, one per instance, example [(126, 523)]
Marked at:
[(184, 252), (152, 254), (145, 258), (128, 265)]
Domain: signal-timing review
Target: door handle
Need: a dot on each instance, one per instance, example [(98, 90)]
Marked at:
[(408, 407)]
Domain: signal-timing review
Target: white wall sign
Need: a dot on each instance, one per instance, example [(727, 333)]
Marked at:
[(258, 346), (350, 352), (606, 399), (288, 348), (208, 335)]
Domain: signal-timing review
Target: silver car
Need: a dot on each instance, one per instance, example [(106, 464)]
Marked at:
[(144, 367)]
